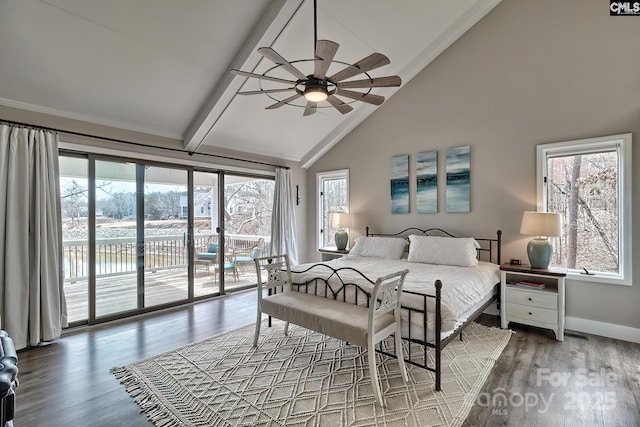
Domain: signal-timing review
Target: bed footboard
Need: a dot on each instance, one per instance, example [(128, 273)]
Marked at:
[(350, 285), (340, 283), (422, 360)]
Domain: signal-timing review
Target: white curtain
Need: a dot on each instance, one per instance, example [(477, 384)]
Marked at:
[(32, 305), (283, 220)]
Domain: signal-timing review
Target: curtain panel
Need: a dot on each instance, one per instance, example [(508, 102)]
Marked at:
[(32, 305), (283, 220)]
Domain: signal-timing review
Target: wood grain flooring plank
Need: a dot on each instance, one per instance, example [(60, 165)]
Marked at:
[(68, 383)]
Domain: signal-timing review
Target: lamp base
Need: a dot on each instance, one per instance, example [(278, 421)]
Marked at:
[(539, 251), (342, 238)]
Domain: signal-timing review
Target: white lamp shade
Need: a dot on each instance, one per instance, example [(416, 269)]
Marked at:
[(541, 224), (341, 220)]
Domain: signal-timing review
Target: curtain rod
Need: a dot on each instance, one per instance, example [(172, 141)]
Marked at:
[(137, 144)]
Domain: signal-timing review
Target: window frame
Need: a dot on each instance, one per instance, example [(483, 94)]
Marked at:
[(320, 178), (622, 144)]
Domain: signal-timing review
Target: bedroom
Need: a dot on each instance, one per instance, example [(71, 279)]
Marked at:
[(527, 73)]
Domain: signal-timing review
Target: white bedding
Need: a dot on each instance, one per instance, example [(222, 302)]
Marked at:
[(462, 287)]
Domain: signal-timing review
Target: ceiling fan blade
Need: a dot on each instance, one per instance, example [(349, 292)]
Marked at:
[(325, 51), (274, 56), (371, 62), (260, 76), (375, 82), (339, 105), (258, 92), (366, 97), (283, 102), (310, 108)]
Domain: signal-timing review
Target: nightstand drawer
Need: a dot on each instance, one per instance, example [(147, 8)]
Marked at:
[(532, 298), (537, 314)]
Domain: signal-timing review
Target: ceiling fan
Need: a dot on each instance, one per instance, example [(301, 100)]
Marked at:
[(319, 87)]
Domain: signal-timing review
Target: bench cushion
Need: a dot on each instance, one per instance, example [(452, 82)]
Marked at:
[(335, 318)]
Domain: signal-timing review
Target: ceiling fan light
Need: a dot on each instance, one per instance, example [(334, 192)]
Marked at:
[(315, 93)]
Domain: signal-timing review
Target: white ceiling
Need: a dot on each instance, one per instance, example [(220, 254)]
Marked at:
[(162, 66)]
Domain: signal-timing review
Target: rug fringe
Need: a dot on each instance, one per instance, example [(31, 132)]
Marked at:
[(155, 411)]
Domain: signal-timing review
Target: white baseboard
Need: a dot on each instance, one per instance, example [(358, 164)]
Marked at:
[(619, 332), (586, 326)]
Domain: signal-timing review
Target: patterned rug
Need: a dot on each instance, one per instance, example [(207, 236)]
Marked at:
[(305, 379)]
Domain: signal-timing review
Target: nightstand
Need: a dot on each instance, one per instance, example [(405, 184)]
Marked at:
[(331, 252), (536, 306)]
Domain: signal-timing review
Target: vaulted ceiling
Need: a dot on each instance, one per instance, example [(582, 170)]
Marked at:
[(162, 66)]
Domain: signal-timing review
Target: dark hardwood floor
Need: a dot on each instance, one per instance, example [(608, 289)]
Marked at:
[(68, 383), (587, 380)]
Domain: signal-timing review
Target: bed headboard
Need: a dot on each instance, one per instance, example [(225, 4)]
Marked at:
[(490, 249)]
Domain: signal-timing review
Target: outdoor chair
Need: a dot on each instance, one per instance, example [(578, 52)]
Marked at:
[(208, 257), (244, 258), (229, 267)]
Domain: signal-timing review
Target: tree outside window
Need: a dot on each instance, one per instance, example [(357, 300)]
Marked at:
[(583, 189), (589, 183)]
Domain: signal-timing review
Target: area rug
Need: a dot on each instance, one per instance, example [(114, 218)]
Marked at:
[(305, 379)]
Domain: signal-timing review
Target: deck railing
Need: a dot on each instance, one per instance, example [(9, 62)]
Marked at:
[(118, 256)]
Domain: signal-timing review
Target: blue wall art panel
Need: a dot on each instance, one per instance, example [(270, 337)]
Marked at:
[(400, 184), (427, 182), (458, 179)]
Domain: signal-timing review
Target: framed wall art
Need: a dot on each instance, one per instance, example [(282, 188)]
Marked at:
[(458, 179), (427, 182), (400, 184)]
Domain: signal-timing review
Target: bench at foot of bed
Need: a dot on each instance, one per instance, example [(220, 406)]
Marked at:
[(360, 325)]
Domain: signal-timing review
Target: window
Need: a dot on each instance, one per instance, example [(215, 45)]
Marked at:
[(589, 183), (333, 196)]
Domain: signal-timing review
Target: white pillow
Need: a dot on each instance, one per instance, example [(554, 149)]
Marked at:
[(458, 251), (379, 247)]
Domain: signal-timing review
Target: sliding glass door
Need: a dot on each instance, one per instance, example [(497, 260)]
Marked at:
[(207, 246), (140, 236), (74, 194), (166, 231), (248, 202), (116, 238)]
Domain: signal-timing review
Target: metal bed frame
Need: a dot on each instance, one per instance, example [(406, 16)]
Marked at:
[(490, 250)]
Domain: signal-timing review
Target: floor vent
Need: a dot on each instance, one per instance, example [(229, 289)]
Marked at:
[(576, 335)]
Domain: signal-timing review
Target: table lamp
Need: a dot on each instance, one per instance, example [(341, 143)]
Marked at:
[(341, 221), (541, 225)]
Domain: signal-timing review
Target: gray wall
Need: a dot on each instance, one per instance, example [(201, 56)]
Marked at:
[(530, 72)]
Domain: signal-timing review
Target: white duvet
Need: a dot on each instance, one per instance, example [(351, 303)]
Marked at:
[(462, 287)]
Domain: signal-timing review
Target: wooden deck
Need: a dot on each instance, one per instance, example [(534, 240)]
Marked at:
[(116, 294)]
